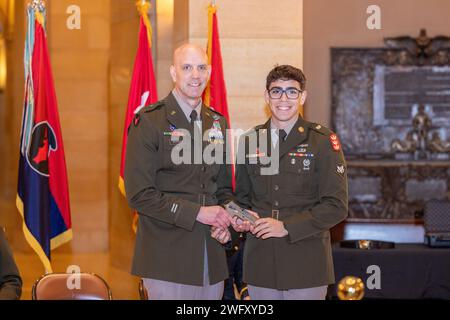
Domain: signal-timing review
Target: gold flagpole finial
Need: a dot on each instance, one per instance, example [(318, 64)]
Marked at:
[(143, 3), (144, 9), (143, 6)]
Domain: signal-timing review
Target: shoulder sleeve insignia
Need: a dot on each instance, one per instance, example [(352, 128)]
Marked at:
[(335, 144)]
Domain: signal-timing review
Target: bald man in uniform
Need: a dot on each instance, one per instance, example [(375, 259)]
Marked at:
[(178, 251)]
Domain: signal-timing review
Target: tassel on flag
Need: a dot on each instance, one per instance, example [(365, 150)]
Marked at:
[(215, 94), (143, 84), (43, 193)]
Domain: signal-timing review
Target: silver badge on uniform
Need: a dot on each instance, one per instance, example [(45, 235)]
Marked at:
[(215, 133), (306, 164), (293, 161), (340, 169)]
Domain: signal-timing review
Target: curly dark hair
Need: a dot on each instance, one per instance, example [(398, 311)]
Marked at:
[(286, 72)]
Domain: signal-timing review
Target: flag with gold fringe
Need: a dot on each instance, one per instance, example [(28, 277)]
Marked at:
[(143, 84), (43, 194), (215, 94)]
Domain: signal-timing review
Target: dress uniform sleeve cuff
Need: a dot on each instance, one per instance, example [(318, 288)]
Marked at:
[(299, 227), (186, 215)]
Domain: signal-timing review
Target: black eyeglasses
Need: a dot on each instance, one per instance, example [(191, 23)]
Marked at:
[(291, 93)]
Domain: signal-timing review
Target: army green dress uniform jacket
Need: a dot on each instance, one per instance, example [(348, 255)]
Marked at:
[(170, 243), (308, 193), (10, 280)]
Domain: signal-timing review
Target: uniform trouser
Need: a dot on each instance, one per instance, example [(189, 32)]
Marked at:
[(165, 290), (258, 293), (235, 262)]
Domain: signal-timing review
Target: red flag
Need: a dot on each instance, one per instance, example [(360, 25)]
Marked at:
[(215, 94), (143, 84), (42, 192)]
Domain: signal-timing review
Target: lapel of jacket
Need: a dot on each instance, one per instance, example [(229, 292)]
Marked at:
[(263, 147), (298, 134), (265, 130), (176, 116)]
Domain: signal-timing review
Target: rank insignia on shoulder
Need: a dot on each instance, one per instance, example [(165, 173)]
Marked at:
[(136, 119), (340, 169), (335, 142), (150, 107)]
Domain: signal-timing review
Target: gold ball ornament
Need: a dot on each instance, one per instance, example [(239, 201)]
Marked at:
[(350, 288), (364, 244)]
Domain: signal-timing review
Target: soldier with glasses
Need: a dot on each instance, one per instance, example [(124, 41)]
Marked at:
[(288, 249)]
